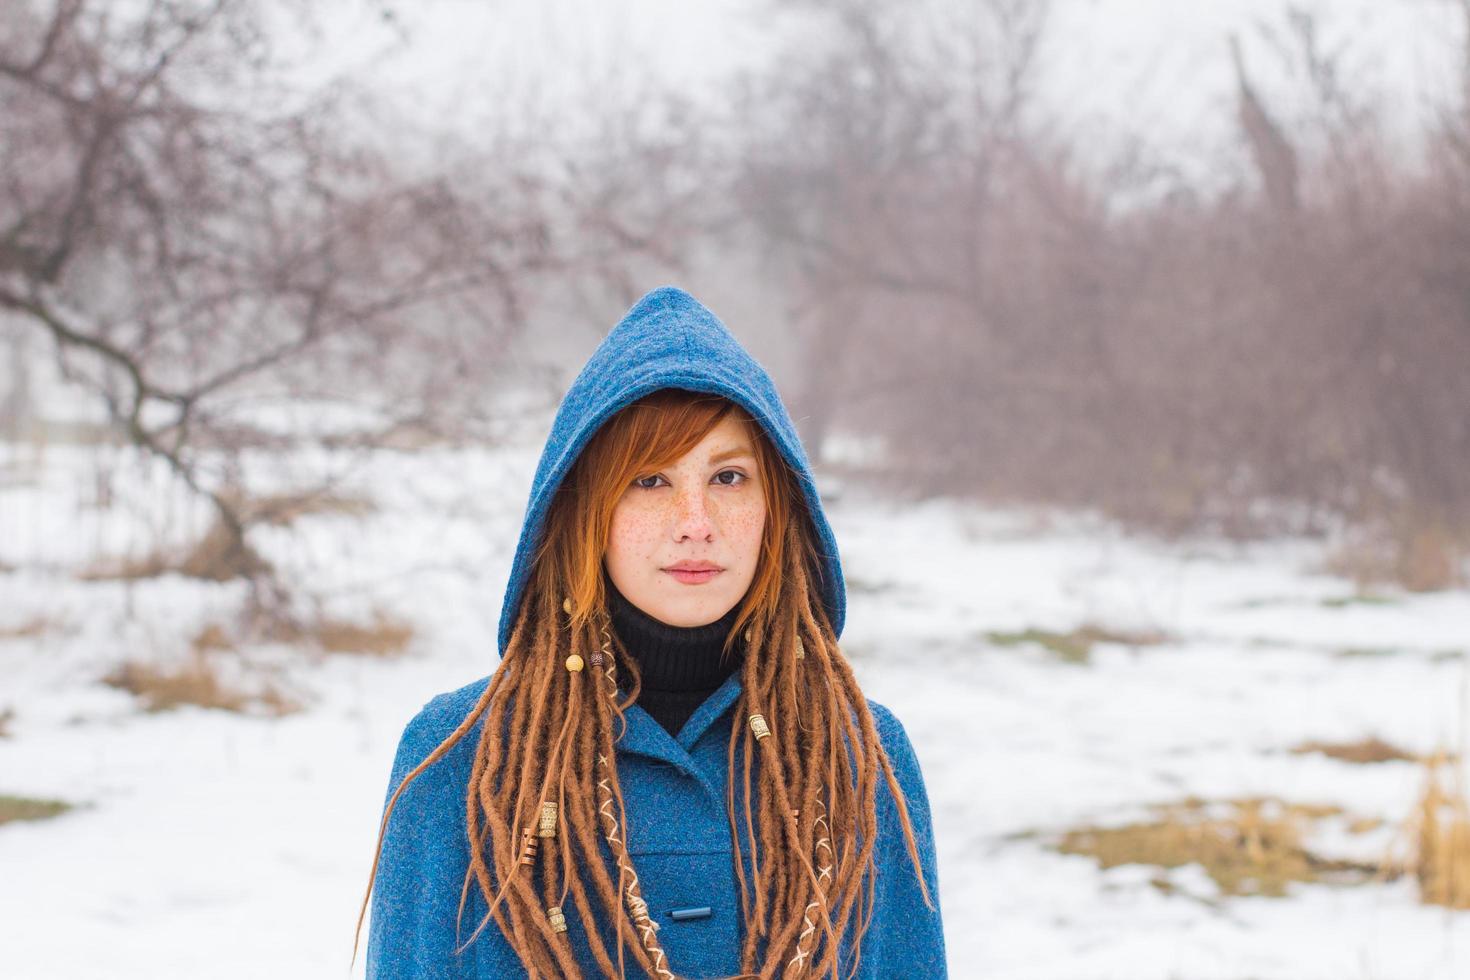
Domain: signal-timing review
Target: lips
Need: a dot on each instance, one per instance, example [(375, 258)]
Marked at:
[(692, 566), (693, 572)]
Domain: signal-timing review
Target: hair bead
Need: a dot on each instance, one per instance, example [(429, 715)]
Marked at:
[(547, 826), (759, 727), (558, 920), (528, 846), (800, 649), (574, 663), (566, 605)]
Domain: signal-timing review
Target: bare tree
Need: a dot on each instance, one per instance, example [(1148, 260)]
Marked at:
[(1021, 323), (198, 238), (877, 157), (1274, 155)]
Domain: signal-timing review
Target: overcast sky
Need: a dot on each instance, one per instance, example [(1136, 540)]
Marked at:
[(1159, 67)]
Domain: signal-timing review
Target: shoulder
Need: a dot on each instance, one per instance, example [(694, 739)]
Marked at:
[(426, 730), (906, 770), (894, 738), (444, 712)]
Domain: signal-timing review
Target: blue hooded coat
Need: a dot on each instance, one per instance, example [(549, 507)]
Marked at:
[(677, 831)]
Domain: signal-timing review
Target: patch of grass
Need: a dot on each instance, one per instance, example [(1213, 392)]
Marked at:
[(1351, 653), (150, 565), (1263, 602), (29, 629), (161, 688), (1076, 646), (212, 636), (283, 509), (216, 557), (1248, 846), (1439, 834), (858, 585), (1364, 751), (384, 636), (26, 808), (1358, 599), (1418, 552)]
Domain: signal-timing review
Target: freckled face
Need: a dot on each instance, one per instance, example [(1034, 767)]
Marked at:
[(707, 508)]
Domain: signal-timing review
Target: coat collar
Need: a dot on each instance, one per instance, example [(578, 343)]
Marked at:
[(644, 736)]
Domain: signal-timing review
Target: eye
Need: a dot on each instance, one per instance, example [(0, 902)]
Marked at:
[(731, 483), (646, 486)]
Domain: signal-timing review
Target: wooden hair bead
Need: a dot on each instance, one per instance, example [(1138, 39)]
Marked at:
[(558, 920), (547, 827), (574, 663), (759, 727), (566, 605), (528, 846)]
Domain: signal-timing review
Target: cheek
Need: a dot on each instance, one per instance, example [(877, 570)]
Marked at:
[(631, 533), (744, 528)]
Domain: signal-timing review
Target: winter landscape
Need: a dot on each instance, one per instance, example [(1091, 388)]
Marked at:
[(1130, 340), (1055, 676)]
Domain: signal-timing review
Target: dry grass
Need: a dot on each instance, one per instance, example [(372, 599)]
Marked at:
[(1419, 555), (1076, 646), (1253, 846), (162, 688), (25, 808), (384, 636), (1249, 846), (30, 629), (215, 557), (150, 565), (1358, 599), (284, 509), (218, 558), (1438, 832), (212, 637), (1365, 750)]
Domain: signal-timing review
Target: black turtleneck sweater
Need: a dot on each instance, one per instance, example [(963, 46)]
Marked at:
[(680, 666)]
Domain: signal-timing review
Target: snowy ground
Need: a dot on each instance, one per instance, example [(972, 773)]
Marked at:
[(218, 845)]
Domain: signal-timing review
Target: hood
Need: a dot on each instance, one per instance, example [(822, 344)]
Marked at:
[(667, 340)]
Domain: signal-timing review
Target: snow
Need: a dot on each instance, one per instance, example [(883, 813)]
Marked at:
[(224, 845)]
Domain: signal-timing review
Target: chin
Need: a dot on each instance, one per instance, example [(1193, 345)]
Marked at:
[(691, 614)]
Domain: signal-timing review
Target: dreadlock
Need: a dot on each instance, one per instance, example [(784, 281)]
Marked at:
[(809, 764)]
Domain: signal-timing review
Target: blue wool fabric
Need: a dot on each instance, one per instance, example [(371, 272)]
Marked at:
[(674, 787)]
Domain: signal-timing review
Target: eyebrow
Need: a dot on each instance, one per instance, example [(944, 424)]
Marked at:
[(720, 457)]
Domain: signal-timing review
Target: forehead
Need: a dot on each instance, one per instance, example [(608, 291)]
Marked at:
[(729, 438)]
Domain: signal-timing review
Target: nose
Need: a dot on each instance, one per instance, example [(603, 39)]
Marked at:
[(692, 517)]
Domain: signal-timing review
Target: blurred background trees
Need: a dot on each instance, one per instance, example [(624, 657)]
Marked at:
[(206, 243)]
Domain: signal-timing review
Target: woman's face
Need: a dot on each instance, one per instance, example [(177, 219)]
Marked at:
[(706, 510)]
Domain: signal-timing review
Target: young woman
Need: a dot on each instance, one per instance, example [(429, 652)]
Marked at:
[(672, 771)]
